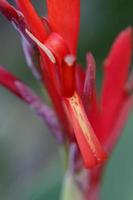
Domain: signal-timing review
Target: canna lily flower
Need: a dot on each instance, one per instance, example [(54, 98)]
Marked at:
[(79, 116)]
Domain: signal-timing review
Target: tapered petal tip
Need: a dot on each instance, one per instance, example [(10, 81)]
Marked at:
[(92, 163), (122, 46), (116, 66)]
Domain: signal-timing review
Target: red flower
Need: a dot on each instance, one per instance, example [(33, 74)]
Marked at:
[(72, 90)]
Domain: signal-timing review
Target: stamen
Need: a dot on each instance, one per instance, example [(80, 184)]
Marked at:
[(42, 46)]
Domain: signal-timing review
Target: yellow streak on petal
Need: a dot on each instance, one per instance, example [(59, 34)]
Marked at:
[(42, 46), (83, 122)]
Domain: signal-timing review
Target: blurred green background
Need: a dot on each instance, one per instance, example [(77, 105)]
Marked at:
[(30, 165)]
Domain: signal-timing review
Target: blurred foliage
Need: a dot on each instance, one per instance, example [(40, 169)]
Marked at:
[(30, 165)]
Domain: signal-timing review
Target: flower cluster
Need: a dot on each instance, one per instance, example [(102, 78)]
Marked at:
[(80, 116)]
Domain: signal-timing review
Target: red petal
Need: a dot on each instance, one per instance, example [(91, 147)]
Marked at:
[(8, 80), (52, 85), (116, 73), (89, 145), (32, 19), (89, 93), (58, 46), (29, 97), (64, 19), (13, 15), (8, 10)]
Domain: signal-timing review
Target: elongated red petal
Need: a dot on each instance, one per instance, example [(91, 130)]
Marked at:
[(8, 10), (32, 19), (89, 93), (13, 15), (29, 97), (64, 17), (8, 81), (58, 46), (89, 145), (53, 87), (116, 73)]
